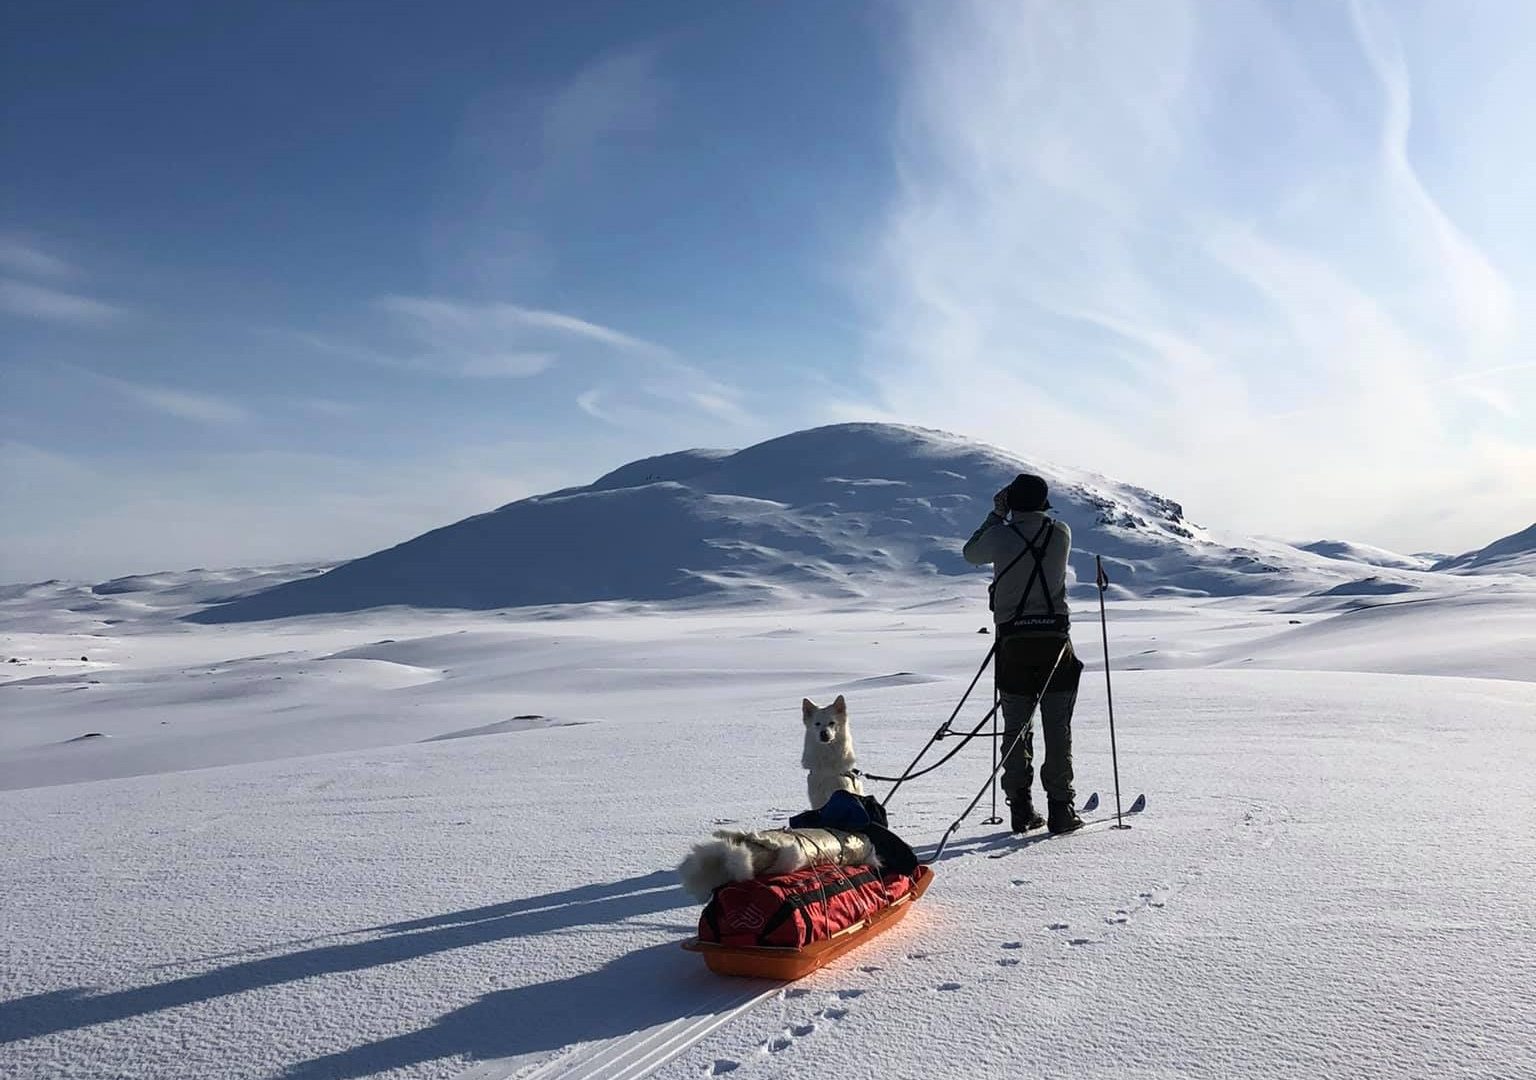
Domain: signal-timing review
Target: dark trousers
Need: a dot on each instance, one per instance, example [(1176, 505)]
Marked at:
[(1022, 669)]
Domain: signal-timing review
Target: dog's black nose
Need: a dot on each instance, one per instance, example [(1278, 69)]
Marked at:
[(826, 736)]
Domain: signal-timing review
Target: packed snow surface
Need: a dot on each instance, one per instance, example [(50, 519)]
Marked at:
[(404, 843)]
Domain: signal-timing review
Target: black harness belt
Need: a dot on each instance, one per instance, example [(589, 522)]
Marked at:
[(1027, 645)]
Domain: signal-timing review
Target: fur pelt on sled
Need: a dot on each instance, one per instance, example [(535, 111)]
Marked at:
[(739, 856)]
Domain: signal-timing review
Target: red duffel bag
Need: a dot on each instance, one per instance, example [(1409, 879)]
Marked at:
[(793, 910)]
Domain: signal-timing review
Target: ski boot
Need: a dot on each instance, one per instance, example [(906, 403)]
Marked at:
[(1021, 815), (1062, 817)]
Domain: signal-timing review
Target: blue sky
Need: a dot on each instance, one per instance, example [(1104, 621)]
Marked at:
[(288, 281)]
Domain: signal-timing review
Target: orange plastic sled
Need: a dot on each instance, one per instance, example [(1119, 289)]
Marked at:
[(787, 965)]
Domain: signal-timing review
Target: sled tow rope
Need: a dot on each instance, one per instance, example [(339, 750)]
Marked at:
[(941, 732)]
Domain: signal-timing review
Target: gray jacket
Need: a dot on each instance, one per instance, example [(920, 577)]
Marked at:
[(998, 543)]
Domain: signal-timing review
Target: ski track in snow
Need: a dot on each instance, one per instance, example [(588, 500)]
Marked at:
[(636, 1055)]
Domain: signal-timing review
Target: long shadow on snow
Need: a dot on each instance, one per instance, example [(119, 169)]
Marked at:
[(986, 842), (67, 1010), (648, 986)]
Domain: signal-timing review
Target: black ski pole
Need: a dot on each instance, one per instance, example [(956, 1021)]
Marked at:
[(1109, 693), (997, 703)]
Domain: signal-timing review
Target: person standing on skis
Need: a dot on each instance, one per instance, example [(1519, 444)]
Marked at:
[(1028, 551)]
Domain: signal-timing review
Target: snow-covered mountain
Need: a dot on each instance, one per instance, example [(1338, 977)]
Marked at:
[(1512, 554), (845, 510), (1367, 555)]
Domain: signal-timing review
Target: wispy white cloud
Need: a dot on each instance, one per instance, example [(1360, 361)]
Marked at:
[(521, 151), (1484, 300), (625, 381), (459, 363), (654, 390), (1160, 240), (24, 262), (459, 339), (569, 324), (615, 94), (173, 401), (27, 259), (478, 341), (30, 301), (329, 407), (657, 402), (520, 159), (590, 401), (498, 339)]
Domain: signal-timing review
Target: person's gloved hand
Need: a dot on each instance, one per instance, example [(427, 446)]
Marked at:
[(1000, 503)]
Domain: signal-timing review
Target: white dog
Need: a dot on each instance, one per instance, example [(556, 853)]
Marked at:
[(738, 856), (828, 751)]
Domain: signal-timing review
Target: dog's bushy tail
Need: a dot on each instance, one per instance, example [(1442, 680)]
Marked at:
[(713, 863)]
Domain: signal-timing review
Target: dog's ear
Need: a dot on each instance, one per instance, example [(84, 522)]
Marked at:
[(807, 709), (840, 706)]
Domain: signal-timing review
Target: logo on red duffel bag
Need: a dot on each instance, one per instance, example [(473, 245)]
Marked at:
[(745, 918)]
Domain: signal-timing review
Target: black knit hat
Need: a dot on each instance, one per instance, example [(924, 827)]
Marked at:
[(1028, 492)]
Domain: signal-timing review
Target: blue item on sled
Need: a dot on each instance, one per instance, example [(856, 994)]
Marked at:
[(844, 810)]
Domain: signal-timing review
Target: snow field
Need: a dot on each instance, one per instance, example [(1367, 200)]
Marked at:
[(1332, 878)]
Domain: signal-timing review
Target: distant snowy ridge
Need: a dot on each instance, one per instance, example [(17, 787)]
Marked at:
[(1512, 554), (849, 510), (1366, 555)]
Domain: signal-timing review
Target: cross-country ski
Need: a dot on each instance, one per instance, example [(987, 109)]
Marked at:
[(1018, 842)]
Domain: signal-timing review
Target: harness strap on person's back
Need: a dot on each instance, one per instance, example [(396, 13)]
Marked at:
[(1028, 550), (1037, 550), (1053, 622)]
